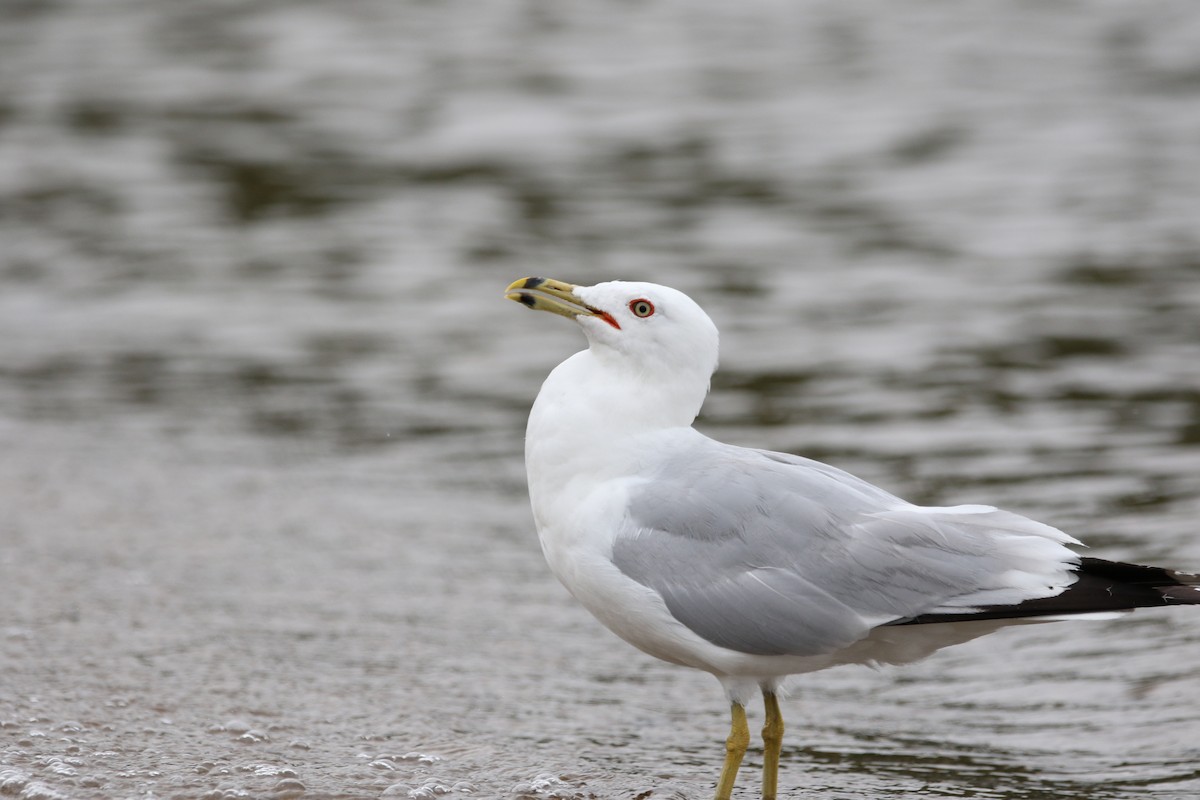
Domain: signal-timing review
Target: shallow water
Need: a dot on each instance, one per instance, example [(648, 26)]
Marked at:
[(262, 403)]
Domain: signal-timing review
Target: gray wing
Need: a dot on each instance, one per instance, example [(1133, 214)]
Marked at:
[(771, 554)]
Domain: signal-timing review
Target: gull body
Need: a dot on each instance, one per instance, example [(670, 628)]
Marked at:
[(753, 565)]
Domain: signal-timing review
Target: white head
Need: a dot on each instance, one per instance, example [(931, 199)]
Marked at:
[(649, 326), (653, 326), (653, 336)]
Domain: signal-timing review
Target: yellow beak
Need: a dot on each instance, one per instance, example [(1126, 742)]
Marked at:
[(557, 297)]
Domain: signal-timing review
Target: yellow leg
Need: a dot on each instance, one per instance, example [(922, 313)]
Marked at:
[(772, 734), (735, 749)]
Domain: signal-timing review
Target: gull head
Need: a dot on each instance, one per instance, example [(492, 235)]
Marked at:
[(652, 329)]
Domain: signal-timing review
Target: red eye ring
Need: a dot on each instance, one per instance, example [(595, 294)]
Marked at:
[(641, 307)]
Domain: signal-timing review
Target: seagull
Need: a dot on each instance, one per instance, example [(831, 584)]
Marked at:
[(754, 565)]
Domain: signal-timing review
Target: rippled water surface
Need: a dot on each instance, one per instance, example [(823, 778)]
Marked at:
[(264, 527)]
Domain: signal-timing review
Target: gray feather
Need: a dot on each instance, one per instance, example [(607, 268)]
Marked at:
[(770, 554)]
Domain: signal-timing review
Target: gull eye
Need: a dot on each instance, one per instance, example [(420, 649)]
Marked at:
[(641, 307)]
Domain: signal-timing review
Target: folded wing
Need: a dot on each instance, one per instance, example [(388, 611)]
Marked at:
[(770, 554)]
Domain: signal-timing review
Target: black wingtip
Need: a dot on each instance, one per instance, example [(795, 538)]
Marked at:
[(1186, 595), (1101, 586)]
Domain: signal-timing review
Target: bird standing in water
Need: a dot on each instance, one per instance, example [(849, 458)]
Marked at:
[(754, 565)]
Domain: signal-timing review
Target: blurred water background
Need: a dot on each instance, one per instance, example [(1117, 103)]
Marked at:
[(263, 525)]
